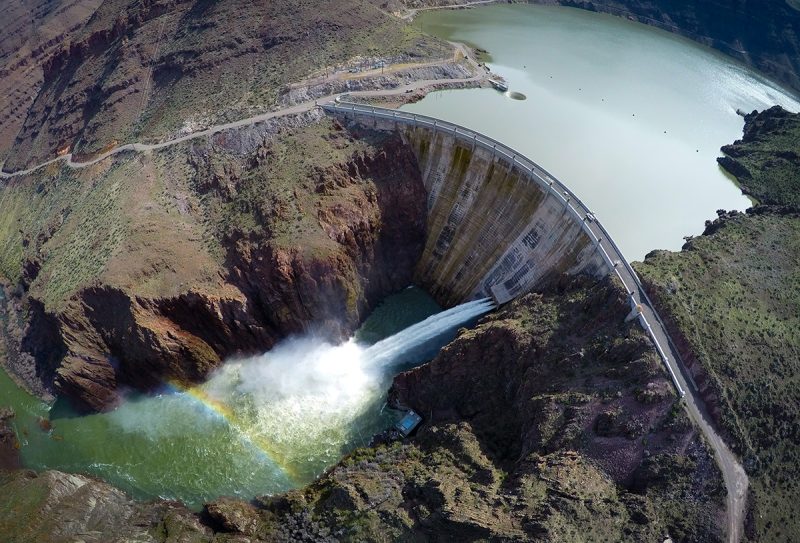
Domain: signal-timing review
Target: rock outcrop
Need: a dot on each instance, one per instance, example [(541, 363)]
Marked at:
[(550, 420), (312, 247), (766, 161), (56, 507), (115, 71), (9, 446), (32, 31), (543, 376), (730, 300)]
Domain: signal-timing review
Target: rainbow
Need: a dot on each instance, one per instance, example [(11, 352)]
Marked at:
[(247, 434)]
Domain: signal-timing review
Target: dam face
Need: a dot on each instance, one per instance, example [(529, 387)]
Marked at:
[(498, 225)]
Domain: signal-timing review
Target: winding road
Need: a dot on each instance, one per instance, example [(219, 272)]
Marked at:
[(301, 107), (412, 12)]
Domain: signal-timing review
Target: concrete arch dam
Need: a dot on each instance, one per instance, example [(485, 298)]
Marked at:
[(498, 224)]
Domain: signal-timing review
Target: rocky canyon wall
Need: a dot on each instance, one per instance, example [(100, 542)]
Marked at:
[(219, 249), (158, 267), (494, 228)]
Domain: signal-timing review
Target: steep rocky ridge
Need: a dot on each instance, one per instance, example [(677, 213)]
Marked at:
[(561, 372), (731, 298), (86, 254), (766, 161), (55, 507), (32, 31), (552, 420), (9, 446), (159, 266)]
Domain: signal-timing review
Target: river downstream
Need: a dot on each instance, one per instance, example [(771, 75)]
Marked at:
[(259, 425), (631, 118)]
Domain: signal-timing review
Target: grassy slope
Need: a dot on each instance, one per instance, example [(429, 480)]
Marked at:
[(767, 159), (154, 224), (735, 295), (141, 219), (78, 226)]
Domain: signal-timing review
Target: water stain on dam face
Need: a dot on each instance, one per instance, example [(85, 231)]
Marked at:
[(494, 229)]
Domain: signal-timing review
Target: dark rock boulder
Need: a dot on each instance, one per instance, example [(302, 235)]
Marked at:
[(9, 446)]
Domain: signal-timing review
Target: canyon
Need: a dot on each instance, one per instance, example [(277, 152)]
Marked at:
[(550, 420)]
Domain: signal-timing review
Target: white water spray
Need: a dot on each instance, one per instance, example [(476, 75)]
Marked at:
[(311, 401)]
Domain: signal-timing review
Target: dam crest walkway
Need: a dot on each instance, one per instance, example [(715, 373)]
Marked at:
[(733, 474)]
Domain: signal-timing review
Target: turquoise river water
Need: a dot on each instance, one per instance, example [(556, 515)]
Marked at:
[(259, 425)]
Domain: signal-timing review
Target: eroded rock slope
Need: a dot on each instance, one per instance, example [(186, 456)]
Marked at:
[(157, 267)]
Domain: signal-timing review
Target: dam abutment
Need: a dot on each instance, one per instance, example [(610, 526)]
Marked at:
[(499, 225)]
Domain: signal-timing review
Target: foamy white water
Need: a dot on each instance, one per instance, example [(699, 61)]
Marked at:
[(260, 426), (385, 352), (306, 401)]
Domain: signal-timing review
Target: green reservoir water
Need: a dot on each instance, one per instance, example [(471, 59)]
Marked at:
[(629, 117), (258, 426)]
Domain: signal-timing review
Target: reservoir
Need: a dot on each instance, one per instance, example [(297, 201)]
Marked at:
[(629, 117)]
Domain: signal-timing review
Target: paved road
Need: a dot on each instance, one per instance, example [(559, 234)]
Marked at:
[(732, 472), (291, 110)]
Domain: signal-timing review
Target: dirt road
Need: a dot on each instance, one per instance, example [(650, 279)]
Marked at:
[(291, 110)]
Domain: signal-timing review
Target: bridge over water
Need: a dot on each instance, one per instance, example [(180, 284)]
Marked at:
[(500, 225)]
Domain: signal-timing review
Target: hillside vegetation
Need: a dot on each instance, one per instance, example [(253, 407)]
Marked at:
[(157, 266), (732, 297), (551, 420), (588, 444), (766, 161), (531, 433), (144, 70), (259, 230)]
